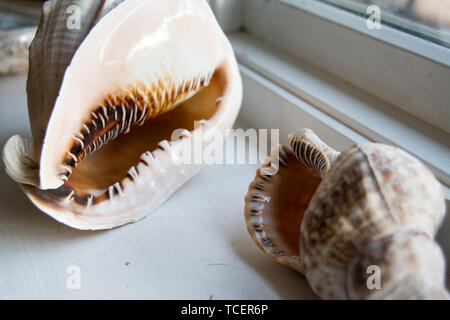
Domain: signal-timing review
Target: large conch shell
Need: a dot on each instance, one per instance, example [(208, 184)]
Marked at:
[(105, 97), (336, 217)]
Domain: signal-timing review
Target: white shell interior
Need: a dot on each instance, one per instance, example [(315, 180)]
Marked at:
[(138, 41)]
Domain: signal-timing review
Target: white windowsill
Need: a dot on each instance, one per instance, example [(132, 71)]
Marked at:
[(339, 105)]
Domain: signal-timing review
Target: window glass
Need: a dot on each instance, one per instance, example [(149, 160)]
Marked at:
[(428, 19)]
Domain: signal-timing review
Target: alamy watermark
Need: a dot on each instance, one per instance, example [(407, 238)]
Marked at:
[(74, 20), (374, 280), (73, 281), (214, 146), (374, 17)]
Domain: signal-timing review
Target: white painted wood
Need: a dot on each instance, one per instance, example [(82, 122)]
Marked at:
[(370, 116), (195, 246), (403, 78), (228, 13), (386, 33), (266, 105)]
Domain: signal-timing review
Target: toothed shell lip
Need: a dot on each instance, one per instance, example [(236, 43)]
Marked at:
[(157, 175), (134, 113), (71, 209), (118, 114), (266, 192)]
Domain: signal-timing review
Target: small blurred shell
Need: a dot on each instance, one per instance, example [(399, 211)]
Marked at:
[(14, 50)]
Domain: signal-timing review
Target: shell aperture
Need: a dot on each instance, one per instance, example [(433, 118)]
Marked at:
[(105, 99)]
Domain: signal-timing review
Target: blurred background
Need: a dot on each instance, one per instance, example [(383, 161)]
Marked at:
[(428, 19), (431, 13)]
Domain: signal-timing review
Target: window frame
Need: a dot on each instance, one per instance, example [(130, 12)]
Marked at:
[(364, 113), (383, 62), (396, 22)]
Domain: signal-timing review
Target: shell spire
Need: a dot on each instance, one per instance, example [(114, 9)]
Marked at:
[(312, 151)]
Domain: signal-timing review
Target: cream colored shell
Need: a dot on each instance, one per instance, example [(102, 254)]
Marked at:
[(105, 98)]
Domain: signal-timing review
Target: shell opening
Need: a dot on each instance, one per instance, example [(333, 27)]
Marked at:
[(274, 206), (117, 140)]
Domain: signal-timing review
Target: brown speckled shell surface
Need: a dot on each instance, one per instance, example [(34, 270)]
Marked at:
[(411, 266), (370, 191), (367, 231)]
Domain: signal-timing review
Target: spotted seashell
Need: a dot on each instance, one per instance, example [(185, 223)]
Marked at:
[(372, 198)]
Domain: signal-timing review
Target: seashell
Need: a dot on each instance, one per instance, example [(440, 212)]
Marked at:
[(106, 98), (332, 215), (14, 49)]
